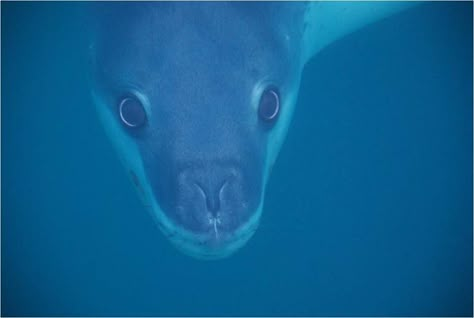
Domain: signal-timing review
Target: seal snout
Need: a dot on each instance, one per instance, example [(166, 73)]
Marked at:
[(211, 199)]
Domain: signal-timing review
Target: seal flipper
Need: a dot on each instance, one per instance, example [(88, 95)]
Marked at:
[(328, 21)]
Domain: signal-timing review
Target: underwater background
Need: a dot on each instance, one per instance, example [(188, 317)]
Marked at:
[(368, 210)]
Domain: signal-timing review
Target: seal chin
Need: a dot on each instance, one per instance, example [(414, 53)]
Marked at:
[(212, 247), (213, 243)]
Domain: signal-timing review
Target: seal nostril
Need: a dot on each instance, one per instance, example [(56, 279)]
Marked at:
[(212, 201), (221, 188), (201, 190)]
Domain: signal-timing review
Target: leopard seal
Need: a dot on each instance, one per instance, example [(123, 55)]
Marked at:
[(197, 98)]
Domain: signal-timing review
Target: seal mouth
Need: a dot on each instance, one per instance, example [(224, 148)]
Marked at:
[(211, 244), (211, 247)]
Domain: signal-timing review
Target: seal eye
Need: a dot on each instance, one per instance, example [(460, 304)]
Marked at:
[(269, 106), (132, 112)]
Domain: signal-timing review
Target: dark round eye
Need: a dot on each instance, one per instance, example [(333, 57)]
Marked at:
[(269, 106), (132, 112)]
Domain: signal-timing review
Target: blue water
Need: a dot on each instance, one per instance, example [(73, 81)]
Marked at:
[(368, 210)]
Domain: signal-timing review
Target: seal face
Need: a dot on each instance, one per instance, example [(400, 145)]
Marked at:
[(197, 98)]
